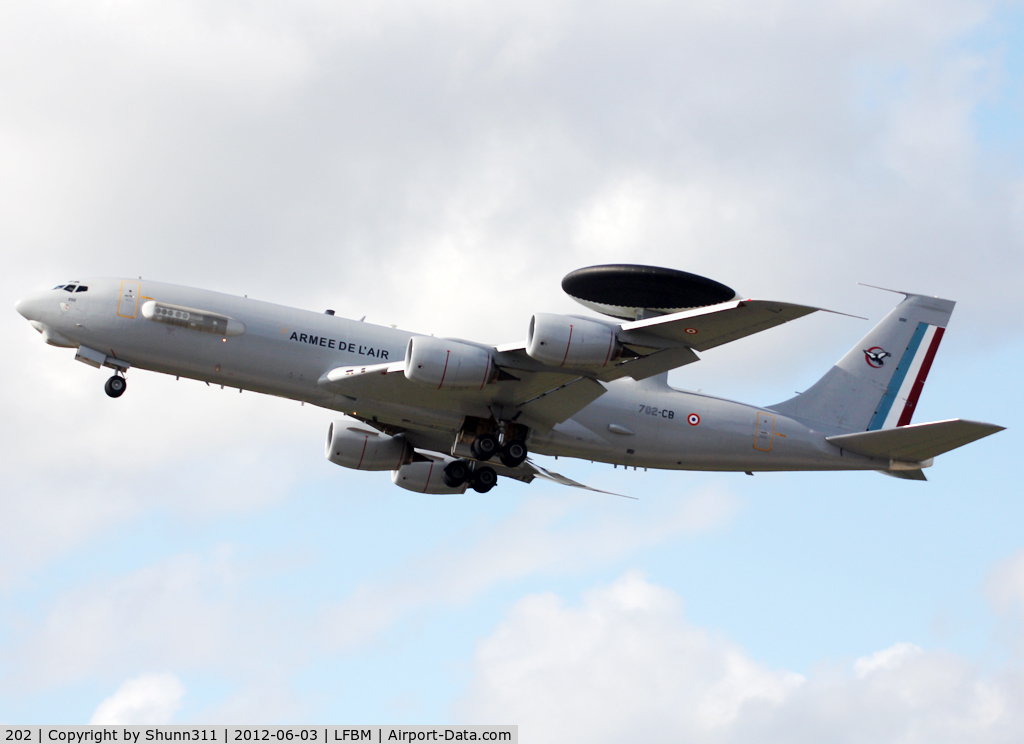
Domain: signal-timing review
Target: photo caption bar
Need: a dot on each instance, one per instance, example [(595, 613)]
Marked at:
[(231, 734)]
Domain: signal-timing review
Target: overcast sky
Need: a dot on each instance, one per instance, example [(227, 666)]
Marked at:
[(184, 554)]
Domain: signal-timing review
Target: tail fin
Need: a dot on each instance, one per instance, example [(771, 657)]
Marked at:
[(877, 384)]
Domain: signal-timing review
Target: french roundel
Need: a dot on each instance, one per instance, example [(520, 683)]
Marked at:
[(693, 419)]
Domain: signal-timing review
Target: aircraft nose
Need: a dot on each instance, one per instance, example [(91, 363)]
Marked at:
[(28, 307)]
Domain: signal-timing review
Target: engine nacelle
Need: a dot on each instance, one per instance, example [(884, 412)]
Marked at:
[(424, 477), (562, 341), (352, 444), (450, 365)]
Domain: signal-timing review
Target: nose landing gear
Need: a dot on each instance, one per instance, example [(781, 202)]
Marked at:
[(116, 386)]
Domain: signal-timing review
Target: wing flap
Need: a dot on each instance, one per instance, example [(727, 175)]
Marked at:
[(555, 406), (916, 442), (917, 475), (653, 364), (530, 470)]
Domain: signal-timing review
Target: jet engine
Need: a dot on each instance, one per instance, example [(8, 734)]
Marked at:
[(446, 364), (563, 341), (424, 477), (352, 444)]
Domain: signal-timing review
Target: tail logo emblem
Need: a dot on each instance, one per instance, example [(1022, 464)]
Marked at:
[(875, 356)]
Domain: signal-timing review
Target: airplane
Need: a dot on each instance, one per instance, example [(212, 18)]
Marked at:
[(444, 415)]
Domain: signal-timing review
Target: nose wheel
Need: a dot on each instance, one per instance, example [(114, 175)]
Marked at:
[(116, 386)]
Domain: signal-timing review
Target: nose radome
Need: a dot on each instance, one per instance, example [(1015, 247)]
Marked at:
[(31, 307)]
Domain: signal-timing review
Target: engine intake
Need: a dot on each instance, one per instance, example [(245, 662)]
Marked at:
[(562, 341), (352, 444), (449, 365)]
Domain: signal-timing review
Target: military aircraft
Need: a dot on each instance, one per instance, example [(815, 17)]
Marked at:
[(446, 414)]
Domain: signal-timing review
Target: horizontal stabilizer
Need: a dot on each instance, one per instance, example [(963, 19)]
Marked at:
[(917, 442)]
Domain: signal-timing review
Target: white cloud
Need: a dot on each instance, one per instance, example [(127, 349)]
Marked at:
[(146, 699), (189, 611), (627, 664), (543, 536), (889, 658), (198, 611), (1005, 585), (83, 465)]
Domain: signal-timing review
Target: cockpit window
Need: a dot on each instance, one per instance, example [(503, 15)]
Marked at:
[(82, 288)]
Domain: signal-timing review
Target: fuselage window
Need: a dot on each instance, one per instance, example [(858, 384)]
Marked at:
[(82, 289)]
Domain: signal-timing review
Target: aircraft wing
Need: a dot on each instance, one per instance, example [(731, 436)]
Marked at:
[(541, 395), (544, 397), (708, 327)]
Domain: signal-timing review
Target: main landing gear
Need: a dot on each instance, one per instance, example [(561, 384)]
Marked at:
[(484, 447), (479, 439), (513, 453), (481, 479), (116, 386)]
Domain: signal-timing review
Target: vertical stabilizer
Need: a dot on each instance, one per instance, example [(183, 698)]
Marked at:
[(877, 384)]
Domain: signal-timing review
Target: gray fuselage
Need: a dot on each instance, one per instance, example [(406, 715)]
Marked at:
[(285, 351)]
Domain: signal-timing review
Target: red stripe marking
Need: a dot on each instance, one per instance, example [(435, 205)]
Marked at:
[(487, 372), (449, 353), (611, 342), (567, 345), (363, 453), (922, 375), (429, 473)]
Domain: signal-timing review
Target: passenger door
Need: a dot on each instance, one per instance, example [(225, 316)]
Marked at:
[(765, 432), (128, 302)]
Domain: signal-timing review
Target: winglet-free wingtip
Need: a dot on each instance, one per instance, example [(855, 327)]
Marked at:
[(885, 289), (903, 292), (836, 312)]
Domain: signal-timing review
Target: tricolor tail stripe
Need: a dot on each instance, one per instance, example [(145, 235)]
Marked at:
[(908, 379), (922, 375)]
